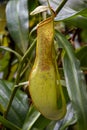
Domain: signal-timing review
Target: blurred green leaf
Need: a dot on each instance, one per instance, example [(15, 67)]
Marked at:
[(34, 120), (10, 50), (68, 13), (74, 4), (75, 81), (31, 118), (51, 126), (8, 124), (63, 124), (81, 54), (32, 4), (77, 21), (84, 12), (77, 4), (71, 8), (69, 118), (41, 123), (4, 60), (19, 106), (84, 35), (18, 23)]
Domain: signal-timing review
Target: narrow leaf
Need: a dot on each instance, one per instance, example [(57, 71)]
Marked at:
[(17, 22), (52, 125), (74, 22), (31, 118), (70, 9), (68, 13), (10, 50), (76, 85), (19, 106), (69, 119), (41, 123)]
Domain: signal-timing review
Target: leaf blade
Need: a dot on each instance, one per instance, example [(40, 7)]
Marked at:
[(19, 108), (8, 124), (17, 22), (31, 118), (76, 85), (70, 9)]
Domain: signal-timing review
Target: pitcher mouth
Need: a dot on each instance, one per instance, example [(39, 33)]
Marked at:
[(48, 20)]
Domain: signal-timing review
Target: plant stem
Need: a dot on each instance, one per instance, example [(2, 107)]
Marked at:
[(59, 80), (28, 52), (51, 11), (23, 83), (60, 6)]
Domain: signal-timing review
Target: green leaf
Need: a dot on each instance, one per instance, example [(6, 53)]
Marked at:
[(65, 13), (41, 123), (32, 5), (77, 4), (69, 118), (71, 8), (51, 126), (68, 13), (81, 54), (31, 118), (75, 81), (63, 124), (4, 60), (84, 12), (8, 124), (17, 22), (84, 35), (77, 21), (10, 50), (19, 106)]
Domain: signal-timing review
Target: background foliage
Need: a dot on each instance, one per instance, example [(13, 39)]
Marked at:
[(17, 54)]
